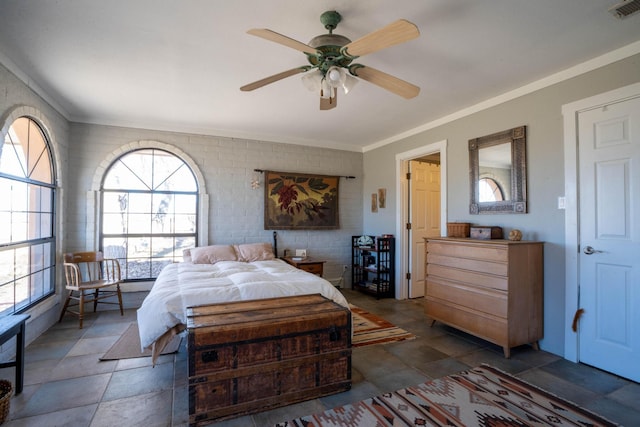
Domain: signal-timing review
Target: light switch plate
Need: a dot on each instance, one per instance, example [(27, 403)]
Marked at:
[(561, 202)]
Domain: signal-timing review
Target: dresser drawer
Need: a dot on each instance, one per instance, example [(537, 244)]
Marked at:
[(315, 268), (471, 278), (475, 298), (309, 265), (496, 268), (485, 326), (473, 250)]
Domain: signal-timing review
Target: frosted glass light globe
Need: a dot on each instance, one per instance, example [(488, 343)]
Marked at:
[(334, 75)]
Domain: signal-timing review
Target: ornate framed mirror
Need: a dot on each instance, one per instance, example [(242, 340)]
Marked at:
[(498, 172)]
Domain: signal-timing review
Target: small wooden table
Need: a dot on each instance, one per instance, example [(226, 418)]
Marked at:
[(309, 265), (10, 326)]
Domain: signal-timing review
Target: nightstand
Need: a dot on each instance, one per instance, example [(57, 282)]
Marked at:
[(309, 265)]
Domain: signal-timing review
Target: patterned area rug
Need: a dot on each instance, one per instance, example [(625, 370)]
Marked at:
[(483, 396), (371, 329)]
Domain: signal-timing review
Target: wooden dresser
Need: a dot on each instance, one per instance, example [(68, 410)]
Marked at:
[(492, 289)]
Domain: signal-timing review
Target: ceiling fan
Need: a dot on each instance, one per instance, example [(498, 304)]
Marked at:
[(331, 59)]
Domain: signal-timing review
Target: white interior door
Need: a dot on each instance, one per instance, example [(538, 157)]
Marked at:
[(425, 218), (609, 259)]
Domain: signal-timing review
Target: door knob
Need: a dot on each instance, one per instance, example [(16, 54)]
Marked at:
[(590, 251)]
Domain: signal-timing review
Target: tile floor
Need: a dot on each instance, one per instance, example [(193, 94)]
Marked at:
[(66, 384)]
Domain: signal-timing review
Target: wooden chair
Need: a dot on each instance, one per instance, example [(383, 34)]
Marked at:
[(90, 278)]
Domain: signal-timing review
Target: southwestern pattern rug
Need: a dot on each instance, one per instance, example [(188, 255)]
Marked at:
[(482, 396), (370, 329)]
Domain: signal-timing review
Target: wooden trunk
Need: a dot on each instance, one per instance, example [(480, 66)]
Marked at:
[(249, 356)]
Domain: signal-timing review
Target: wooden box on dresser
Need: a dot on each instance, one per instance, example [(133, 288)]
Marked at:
[(492, 289), (249, 356)]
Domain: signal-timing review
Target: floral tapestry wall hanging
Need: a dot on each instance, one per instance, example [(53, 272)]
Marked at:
[(294, 201)]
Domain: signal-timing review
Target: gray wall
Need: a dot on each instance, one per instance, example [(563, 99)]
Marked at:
[(541, 113)]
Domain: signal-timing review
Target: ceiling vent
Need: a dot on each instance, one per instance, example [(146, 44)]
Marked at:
[(625, 8)]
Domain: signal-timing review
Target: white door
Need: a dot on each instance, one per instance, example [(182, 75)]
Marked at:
[(425, 218), (609, 175)]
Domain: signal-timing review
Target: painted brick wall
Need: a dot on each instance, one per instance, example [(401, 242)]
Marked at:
[(235, 213), (16, 100)]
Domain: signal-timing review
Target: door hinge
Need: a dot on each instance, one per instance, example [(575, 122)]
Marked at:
[(408, 226), (408, 276), (408, 176)]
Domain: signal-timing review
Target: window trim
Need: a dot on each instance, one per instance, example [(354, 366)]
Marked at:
[(93, 200), (201, 198), (36, 118)]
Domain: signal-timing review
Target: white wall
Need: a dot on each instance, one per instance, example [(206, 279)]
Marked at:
[(541, 112), (236, 212)]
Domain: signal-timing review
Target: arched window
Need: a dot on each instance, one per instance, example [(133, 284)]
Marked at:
[(149, 212), (27, 241), (490, 190)]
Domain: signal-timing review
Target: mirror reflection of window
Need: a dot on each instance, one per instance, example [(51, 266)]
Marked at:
[(495, 165), (490, 191)]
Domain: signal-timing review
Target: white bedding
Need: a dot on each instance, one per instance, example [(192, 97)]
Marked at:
[(182, 285)]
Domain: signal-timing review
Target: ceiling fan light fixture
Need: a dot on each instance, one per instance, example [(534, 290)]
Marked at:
[(336, 76), (349, 83), (339, 78), (312, 80)]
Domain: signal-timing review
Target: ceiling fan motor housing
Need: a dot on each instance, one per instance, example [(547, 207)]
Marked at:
[(329, 46)]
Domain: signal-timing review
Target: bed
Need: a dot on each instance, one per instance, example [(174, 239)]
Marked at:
[(220, 273)]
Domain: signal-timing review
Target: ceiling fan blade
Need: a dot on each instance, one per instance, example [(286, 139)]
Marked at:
[(283, 40), (397, 32), (272, 79), (386, 81), (329, 103)]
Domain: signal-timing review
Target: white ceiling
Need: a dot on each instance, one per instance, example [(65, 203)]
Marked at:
[(178, 65)]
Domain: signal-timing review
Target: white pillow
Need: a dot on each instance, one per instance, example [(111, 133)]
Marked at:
[(249, 252), (212, 254)]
